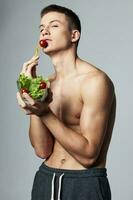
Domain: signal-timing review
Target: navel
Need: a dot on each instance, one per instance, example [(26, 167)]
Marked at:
[(63, 161)]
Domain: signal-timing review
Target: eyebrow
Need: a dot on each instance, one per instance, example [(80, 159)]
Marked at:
[(55, 20)]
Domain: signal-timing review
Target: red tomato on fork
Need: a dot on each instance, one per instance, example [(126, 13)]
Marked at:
[(43, 43)]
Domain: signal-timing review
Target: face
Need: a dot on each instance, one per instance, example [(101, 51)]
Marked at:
[(54, 28)]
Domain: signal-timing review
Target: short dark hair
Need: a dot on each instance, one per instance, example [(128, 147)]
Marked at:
[(73, 19)]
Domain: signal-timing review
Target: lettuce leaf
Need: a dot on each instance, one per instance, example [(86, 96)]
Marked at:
[(32, 85)]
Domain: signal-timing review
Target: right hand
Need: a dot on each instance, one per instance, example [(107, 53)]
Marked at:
[(29, 67), (30, 106)]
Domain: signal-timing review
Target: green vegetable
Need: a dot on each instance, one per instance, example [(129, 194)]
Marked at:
[(32, 85)]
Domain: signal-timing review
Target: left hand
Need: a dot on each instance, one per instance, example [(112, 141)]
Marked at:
[(31, 106)]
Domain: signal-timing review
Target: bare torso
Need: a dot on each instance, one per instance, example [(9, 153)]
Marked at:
[(67, 106)]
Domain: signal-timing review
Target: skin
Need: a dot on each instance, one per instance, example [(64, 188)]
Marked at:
[(72, 128)]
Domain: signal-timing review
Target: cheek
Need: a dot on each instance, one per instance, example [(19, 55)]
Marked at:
[(63, 38), (40, 37)]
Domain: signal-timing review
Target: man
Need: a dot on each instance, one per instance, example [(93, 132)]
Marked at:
[(72, 129)]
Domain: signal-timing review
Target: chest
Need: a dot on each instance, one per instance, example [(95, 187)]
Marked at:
[(67, 103)]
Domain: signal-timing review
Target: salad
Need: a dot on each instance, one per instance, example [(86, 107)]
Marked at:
[(36, 87)]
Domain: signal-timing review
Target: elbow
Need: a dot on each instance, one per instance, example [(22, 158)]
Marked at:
[(87, 162), (41, 154), (89, 159)]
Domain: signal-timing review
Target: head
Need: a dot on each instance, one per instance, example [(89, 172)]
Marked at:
[(61, 25)]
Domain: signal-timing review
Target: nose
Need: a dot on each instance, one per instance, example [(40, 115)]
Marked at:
[(45, 31)]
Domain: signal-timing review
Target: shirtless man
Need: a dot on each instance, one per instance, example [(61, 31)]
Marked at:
[(72, 129)]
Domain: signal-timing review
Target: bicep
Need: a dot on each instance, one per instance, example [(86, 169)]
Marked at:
[(94, 116), (93, 123)]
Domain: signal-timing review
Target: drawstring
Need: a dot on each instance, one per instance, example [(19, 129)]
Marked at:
[(59, 190), (52, 194), (60, 182)]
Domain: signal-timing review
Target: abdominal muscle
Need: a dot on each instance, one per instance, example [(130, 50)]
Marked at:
[(60, 158)]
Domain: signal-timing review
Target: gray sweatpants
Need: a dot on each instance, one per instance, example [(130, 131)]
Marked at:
[(64, 184)]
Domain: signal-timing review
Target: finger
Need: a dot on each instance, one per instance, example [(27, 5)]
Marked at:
[(35, 57), (31, 70), (29, 99), (34, 60), (28, 112), (27, 68), (21, 103)]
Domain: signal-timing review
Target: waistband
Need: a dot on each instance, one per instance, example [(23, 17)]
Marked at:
[(90, 172)]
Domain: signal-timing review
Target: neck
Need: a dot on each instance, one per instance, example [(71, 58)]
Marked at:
[(64, 63)]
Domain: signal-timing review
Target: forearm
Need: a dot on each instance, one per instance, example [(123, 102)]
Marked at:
[(74, 143), (40, 137)]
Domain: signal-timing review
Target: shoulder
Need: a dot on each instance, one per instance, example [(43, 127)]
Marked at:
[(93, 73), (97, 84), (98, 78), (95, 76)]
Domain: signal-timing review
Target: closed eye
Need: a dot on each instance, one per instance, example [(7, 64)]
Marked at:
[(54, 25)]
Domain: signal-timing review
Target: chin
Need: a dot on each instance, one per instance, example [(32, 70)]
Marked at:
[(50, 51)]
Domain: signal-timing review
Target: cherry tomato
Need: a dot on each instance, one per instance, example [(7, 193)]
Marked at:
[(43, 43), (43, 85), (24, 90)]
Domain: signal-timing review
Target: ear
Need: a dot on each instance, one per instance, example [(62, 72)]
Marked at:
[(75, 35)]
